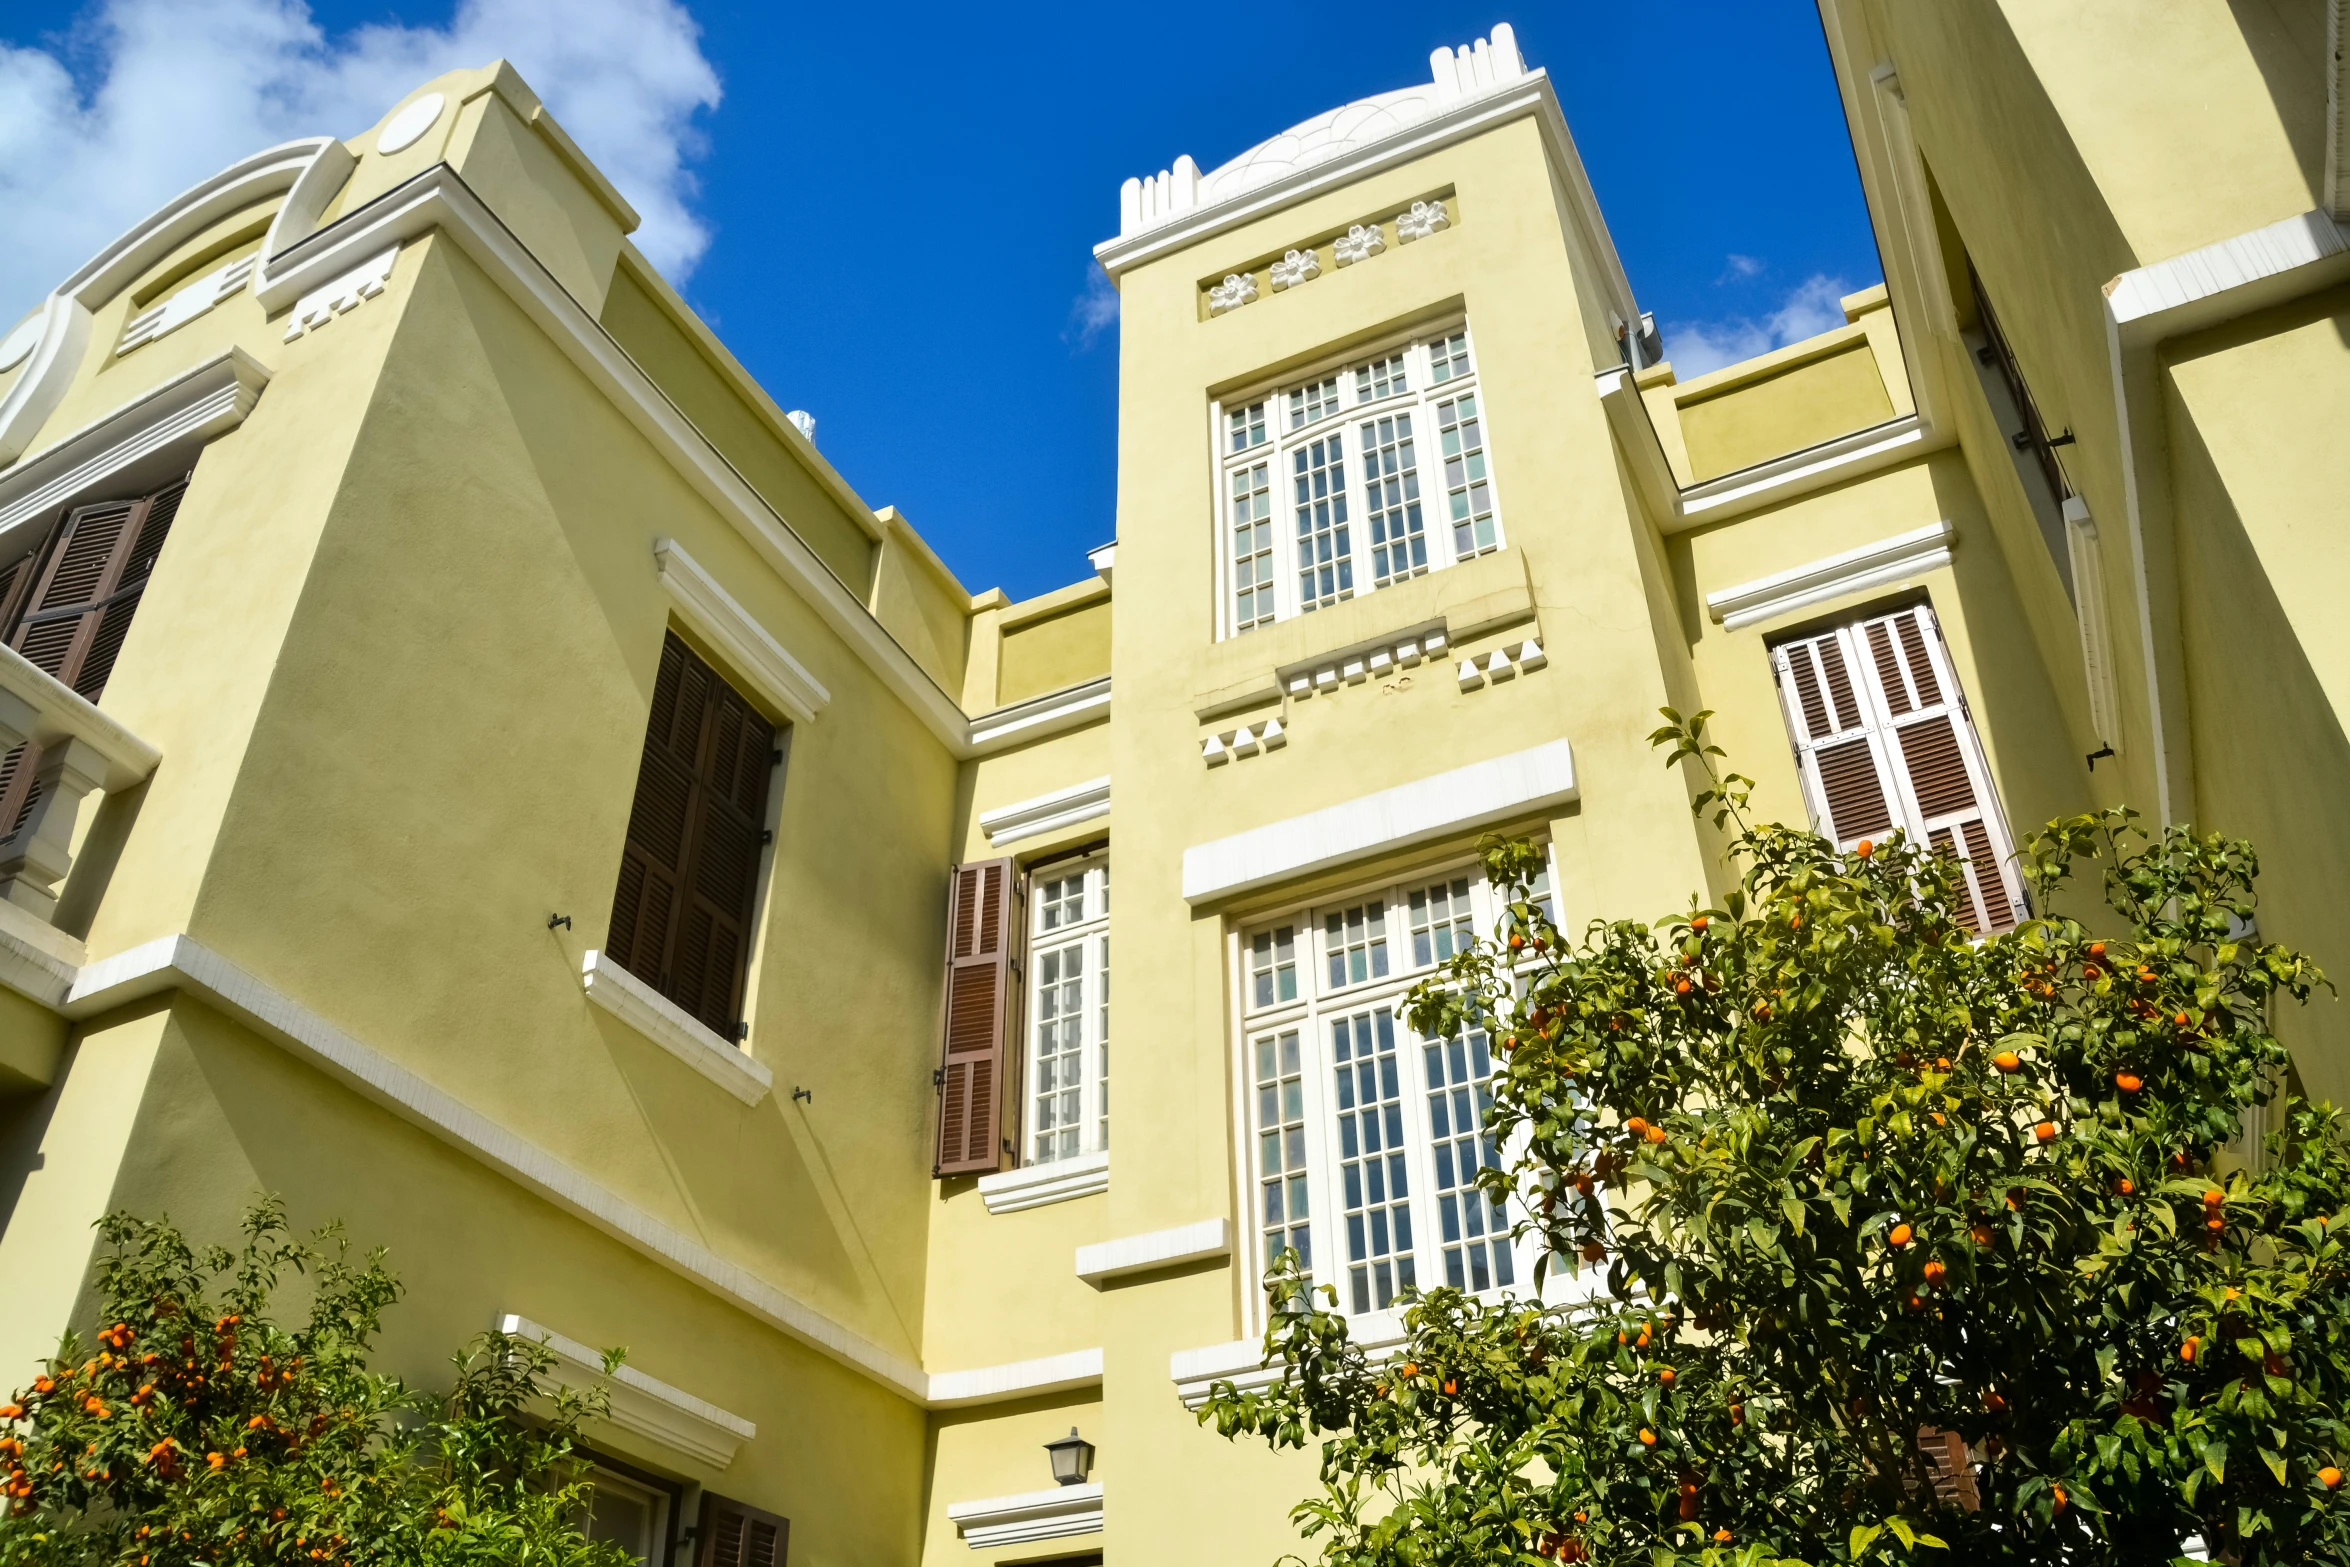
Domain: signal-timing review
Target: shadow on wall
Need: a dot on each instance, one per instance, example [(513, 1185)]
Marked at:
[(2288, 43)]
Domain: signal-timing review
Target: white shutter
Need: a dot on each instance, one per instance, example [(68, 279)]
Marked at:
[(1883, 740)]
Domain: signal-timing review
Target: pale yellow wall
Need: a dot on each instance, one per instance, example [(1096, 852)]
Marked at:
[(919, 602), (1051, 651), (668, 352), (31, 1040), (535, 193), (1739, 416), (2256, 413)]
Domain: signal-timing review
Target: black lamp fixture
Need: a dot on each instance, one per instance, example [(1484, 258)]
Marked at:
[(1072, 1458)]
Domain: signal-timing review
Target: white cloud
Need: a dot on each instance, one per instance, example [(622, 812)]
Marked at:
[(1695, 347), (179, 89), (1741, 266), (1093, 312)]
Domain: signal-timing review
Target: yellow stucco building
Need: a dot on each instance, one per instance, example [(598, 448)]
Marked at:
[(532, 808)]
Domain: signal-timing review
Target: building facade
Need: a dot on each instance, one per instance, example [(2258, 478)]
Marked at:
[(477, 770)]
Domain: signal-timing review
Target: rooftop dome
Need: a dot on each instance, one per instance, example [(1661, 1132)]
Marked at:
[(1454, 75)]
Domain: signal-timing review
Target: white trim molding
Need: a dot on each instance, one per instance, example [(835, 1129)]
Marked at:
[(675, 1030), (1243, 1363), (1131, 1254), (1030, 1516), (1040, 814), (1800, 472), (1536, 779), (1039, 1185), (1852, 571), (188, 410), (1079, 1368), (182, 963), (667, 1416), (714, 614), (1053, 713), (37, 960), (2236, 275)]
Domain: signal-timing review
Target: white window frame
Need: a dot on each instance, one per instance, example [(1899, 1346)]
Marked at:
[(1090, 935), (1315, 1008), (1358, 404)]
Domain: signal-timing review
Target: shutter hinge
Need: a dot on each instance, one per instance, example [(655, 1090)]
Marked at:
[(767, 835), (775, 757), (741, 1030), (938, 1077)]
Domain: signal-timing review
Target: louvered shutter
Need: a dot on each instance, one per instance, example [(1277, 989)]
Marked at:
[(681, 915), (736, 1534), (982, 925), (1885, 741), (70, 603)]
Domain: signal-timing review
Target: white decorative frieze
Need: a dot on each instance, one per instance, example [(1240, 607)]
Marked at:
[(1299, 266), (186, 305), (348, 292), (1237, 289), (1357, 665), (1424, 219), (1503, 663), (1360, 242), (1247, 740)]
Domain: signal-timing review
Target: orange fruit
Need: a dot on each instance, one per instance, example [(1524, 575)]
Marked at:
[(1655, 1134), (2096, 949), (2128, 1082), (1898, 1235), (1647, 1437), (2056, 1498), (2125, 1186), (2045, 1131), (2215, 1198), (1699, 923), (2007, 1061), (1666, 1375), (1936, 1272), (2330, 1478), (1864, 848), (2188, 1350)]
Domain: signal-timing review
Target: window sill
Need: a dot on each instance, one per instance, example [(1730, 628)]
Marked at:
[(1159, 1249), (1037, 1185), (668, 1025), (1242, 1362)]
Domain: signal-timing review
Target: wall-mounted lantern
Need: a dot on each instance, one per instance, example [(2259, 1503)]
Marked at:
[(1072, 1458)]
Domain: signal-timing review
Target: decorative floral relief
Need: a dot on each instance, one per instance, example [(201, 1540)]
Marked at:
[(1299, 266), (1237, 289), (1425, 218), (1359, 243)]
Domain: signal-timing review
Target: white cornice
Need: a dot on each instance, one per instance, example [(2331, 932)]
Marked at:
[(1020, 1379), (757, 656), (1033, 818), (1053, 713), (652, 1409), (1852, 571), (188, 410), (438, 200), (670, 1026), (1030, 1516), (1440, 805), (1037, 1185), (1801, 472), (1171, 1248), (37, 960), (2220, 281), (1529, 95)]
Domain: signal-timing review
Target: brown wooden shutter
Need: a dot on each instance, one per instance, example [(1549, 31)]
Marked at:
[(982, 929), (736, 1534), (681, 915), (68, 606)]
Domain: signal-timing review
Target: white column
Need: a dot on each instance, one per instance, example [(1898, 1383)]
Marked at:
[(41, 852)]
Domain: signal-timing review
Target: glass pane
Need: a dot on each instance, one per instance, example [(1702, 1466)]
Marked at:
[(1373, 1176), (1475, 1232)]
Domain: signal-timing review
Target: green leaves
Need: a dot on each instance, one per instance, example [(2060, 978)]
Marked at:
[(1736, 1111)]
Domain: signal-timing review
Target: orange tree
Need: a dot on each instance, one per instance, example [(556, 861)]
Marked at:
[(1886, 1240), (197, 1430)]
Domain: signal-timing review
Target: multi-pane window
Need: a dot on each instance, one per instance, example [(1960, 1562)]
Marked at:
[(1312, 401), (1325, 547), (1252, 545), (1370, 450), (1248, 426), (1391, 493), (1366, 1138), (1468, 491), (1069, 1012)]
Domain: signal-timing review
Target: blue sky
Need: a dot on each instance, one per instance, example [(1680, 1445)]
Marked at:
[(888, 212)]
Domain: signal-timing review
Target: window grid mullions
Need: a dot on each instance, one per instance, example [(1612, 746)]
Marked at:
[(1066, 1040)]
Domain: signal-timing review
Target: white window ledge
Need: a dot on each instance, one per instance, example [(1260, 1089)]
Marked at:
[(665, 1415), (754, 654), (1242, 1362), (1016, 1379), (1457, 801), (1033, 818), (1050, 714), (1032, 1515), (1872, 565), (670, 1026), (1169, 1248), (1035, 1185)]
